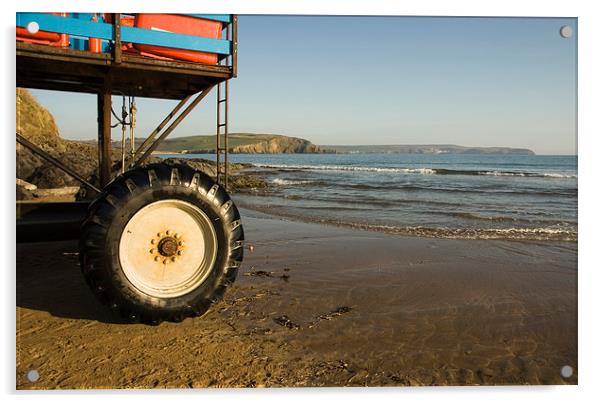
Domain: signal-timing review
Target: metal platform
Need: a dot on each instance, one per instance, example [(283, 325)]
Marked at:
[(117, 71), (65, 69)]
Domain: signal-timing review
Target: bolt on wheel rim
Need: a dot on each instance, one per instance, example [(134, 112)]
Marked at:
[(168, 248)]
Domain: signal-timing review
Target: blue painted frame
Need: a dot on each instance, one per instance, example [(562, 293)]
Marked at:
[(225, 18), (101, 30)]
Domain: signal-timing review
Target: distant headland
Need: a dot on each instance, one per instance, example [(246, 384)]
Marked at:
[(252, 143), (426, 149)]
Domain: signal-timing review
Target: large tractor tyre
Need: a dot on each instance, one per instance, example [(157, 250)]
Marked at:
[(161, 243)]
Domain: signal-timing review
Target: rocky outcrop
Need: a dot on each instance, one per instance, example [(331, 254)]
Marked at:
[(26, 185), (278, 145), (37, 124), (25, 190)]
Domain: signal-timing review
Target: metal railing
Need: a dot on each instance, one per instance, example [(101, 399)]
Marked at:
[(115, 33)]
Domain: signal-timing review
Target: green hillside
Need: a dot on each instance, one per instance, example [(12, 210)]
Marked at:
[(191, 143)]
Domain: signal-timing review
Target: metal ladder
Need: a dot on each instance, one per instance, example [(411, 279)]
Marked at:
[(221, 168), (221, 148)]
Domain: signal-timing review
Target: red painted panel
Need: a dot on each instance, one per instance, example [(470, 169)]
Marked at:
[(180, 24)]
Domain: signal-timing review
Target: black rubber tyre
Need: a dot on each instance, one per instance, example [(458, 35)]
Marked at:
[(120, 201)]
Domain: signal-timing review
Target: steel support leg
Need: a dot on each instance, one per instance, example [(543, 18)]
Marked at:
[(104, 137)]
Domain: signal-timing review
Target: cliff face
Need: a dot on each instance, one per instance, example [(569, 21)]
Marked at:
[(37, 124), (278, 145), (34, 121)]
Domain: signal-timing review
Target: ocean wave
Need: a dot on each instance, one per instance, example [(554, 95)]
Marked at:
[(565, 233), (524, 234), (528, 174), (285, 168), (498, 218), (289, 182), (423, 171), (479, 217), (389, 186)]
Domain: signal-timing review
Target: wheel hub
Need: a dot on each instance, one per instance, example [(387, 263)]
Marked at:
[(168, 246), (154, 250)]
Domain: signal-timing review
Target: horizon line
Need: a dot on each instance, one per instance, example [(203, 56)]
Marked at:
[(351, 145)]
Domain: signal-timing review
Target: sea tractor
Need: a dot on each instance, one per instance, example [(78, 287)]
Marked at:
[(157, 242)]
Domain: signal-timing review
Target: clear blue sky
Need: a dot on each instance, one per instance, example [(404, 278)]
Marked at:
[(384, 80)]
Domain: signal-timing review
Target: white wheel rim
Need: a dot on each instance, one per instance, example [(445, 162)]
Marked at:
[(168, 248)]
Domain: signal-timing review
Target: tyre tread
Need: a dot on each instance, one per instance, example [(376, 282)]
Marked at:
[(94, 262)]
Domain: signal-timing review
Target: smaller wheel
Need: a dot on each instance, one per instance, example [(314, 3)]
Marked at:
[(161, 243)]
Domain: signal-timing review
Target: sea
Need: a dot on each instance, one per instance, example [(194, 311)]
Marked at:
[(513, 197)]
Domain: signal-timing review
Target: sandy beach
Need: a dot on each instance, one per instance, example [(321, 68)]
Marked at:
[(317, 305)]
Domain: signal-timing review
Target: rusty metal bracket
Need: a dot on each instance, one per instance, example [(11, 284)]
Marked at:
[(38, 151)]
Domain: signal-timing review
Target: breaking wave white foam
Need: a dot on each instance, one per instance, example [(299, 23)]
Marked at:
[(423, 171)]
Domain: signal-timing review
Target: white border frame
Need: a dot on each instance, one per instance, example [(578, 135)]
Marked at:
[(589, 148)]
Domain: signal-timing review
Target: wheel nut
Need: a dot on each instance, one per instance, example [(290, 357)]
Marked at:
[(181, 243), (153, 241), (164, 261), (157, 258), (179, 253), (178, 236), (160, 235), (152, 250), (167, 232), (173, 259)]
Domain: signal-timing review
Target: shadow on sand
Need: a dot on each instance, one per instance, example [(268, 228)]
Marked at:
[(49, 279)]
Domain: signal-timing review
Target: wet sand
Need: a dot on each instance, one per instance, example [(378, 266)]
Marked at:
[(315, 305)]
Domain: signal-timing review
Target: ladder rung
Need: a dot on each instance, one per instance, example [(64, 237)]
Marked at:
[(219, 101), (221, 124)]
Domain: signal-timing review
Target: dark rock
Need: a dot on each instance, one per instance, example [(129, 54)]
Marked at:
[(259, 273), (24, 194), (286, 322)]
